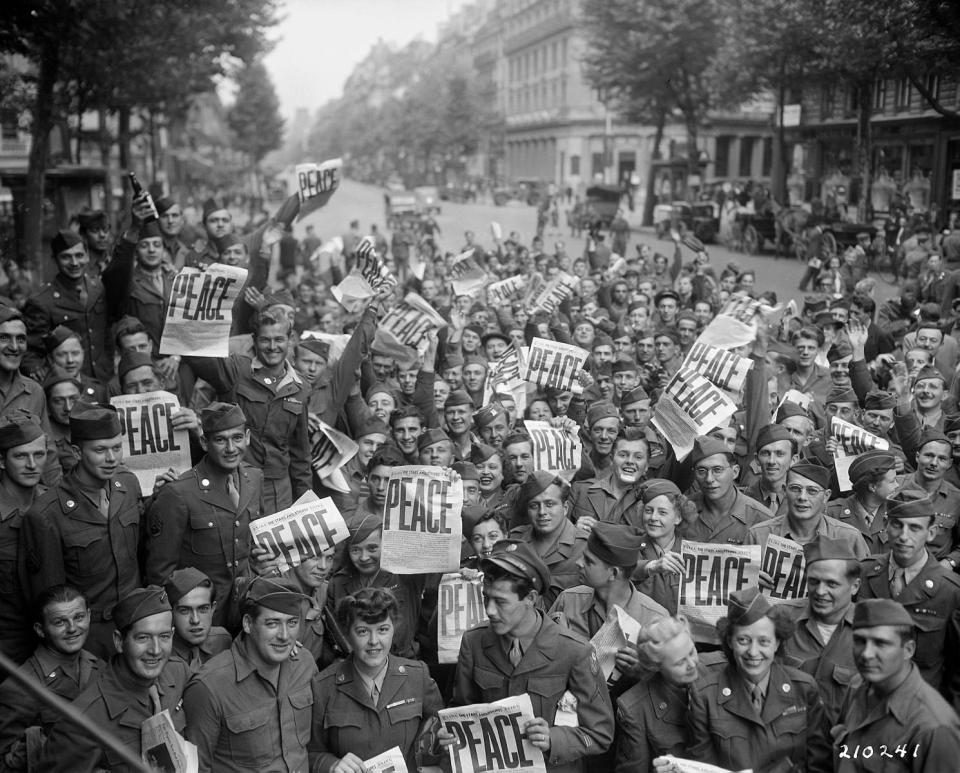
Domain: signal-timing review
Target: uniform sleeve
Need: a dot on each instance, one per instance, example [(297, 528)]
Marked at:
[(594, 712), (67, 741), (203, 722), (464, 688), (18, 711), (819, 747), (38, 321), (354, 354), (301, 473), (166, 521), (116, 278), (42, 553), (633, 751), (221, 373), (321, 759), (702, 747)]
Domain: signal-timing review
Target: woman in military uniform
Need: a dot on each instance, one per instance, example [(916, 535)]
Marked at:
[(660, 568), (372, 701)]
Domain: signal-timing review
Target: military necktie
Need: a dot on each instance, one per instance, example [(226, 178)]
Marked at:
[(155, 707), (516, 653), (82, 293), (232, 491), (104, 504), (375, 694), (756, 698), (897, 583)]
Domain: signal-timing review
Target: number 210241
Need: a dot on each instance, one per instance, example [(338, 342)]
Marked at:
[(859, 752)]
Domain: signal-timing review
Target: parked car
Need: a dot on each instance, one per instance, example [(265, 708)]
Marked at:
[(429, 198)]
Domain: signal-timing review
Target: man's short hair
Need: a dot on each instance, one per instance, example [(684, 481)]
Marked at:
[(406, 412)]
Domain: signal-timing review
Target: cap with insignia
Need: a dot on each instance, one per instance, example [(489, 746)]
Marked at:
[(772, 433), (870, 613), (138, 604), (907, 504), (878, 400), (94, 422), (842, 395), (871, 461), (634, 396), (17, 432), (63, 241), (521, 560), (929, 371), (131, 361), (813, 472), (316, 346), (57, 337), (182, 581), (276, 593), (614, 544), (457, 397), (218, 416), (823, 548), (747, 606), (599, 411), (704, 446), (430, 436), (488, 414)]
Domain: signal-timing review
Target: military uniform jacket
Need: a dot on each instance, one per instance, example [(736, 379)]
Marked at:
[(835, 530), (664, 588), (933, 600), (595, 498), (346, 720), (115, 702), (561, 557), (730, 528), (912, 729), (946, 504), (240, 722), (276, 417), (26, 396), (131, 291), (852, 513), (65, 539), (790, 735), (193, 522), (17, 640), (557, 660), (578, 609), (59, 303)]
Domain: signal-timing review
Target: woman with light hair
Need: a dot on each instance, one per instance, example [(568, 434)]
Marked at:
[(652, 715)]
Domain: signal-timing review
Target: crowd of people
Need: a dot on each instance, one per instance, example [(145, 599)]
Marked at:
[(130, 602)]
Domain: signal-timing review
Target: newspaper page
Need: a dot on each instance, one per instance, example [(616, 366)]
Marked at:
[(391, 761), (504, 375), (711, 573), (692, 766), (317, 183), (723, 368), (422, 529), (490, 737), (151, 445), (201, 310), (164, 750), (504, 290), (784, 561), (851, 442), (465, 275), (330, 449), (411, 319), (460, 607), (690, 405), (619, 630), (552, 364), (365, 280), (794, 396), (554, 450), (553, 293), (305, 529), (735, 325)]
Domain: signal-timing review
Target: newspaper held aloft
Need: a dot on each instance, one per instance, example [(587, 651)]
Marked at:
[(151, 445), (164, 750), (489, 737), (504, 290), (504, 375), (711, 573), (554, 450), (365, 280), (200, 311), (851, 442), (549, 297), (554, 365), (305, 529), (460, 607), (719, 366), (803, 399), (691, 405), (411, 319), (422, 529), (316, 183), (619, 630), (784, 561), (465, 275), (391, 761), (330, 450)]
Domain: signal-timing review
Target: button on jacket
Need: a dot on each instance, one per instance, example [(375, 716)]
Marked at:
[(596, 499), (346, 720), (731, 527), (556, 661), (852, 513), (561, 556), (241, 722)]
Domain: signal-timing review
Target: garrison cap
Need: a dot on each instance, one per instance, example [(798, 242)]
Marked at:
[(276, 593), (870, 613), (457, 397), (624, 364), (225, 242), (363, 527), (63, 241), (182, 581), (372, 425), (745, 607), (870, 461), (149, 230), (521, 560), (704, 446), (17, 432), (489, 414), (58, 336), (815, 472), (212, 205), (94, 422), (634, 396), (614, 544), (842, 395), (475, 359), (839, 350), (131, 361), (931, 435), (536, 483), (602, 339), (381, 388), (771, 433), (878, 400), (668, 332), (480, 452), (430, 436), (905, 506), (476, 329), (164, 204), (823, 548), (658, 487), (466, 470), (58, 376), (315, 345), (217, 417), (951, 423), (929, 371), (599, 411), (790, 408), (138, 604), (8, 313)]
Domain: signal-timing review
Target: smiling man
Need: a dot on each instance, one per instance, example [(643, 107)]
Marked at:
[(929, 392), (603, 425), (458, 414), (776, 451), (193, 599), (614, 496)]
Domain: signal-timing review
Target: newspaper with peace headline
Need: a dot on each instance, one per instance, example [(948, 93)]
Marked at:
[(552, 364), (712, 571), (490, 739), (689, 406), (151, 445), (200, 311), (391, 761), (316, 183), (554, 450), (852, 441), (549, 297), (411, 319), (460, 607), (500, 292), (305, 529), (784, 561), (720, 367), (365, 280), (466, 277), (737, 322), (422, 529), (619, 630), (164, 750)]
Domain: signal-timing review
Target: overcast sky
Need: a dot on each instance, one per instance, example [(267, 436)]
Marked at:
[(320, 41)]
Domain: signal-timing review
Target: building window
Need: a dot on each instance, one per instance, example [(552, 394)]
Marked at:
[(721, 161), (829, 100), (904, 90), (746, 156), (596, 164), (767, 163), (932, 82), (879, 95), (9, 125), (575, 165)]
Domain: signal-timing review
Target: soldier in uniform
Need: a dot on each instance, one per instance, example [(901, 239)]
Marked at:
[(874, 478), (660, 566), (140, 682), (175, 250), (193, 600), (613, 496), (520, 650), (65, 351), (545, 498), (776, 451), (73, 299), (821, 644), (202, 519), (903, 722), (250, 707), (95, 231), (85, 531), (23, 451), (911, 575), (62, 392), (59, 663), (273, 398)]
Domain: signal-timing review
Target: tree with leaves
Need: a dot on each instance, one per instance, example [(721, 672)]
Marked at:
[(255, 116)]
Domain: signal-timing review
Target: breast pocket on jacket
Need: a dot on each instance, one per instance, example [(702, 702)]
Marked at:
[(250, 737), (85, 552), (302, 703), (204, 535), (490, 683), (545, 692)]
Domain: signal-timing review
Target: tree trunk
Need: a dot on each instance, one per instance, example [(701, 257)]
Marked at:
[(649, 203), (864, 149), (693, 157), (778, 170), (43, 121)]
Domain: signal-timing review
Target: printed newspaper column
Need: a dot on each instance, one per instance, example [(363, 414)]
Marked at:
[(490, 739), (411, 319), (619, 630), (330, 449), (851, 442), (422, 529), (735, 324), (554, 450), (500, 292), (365, 280), (711, 573), (466, 276), (552, 364), (151, 445), (317, 183), (784, 561), (504, 374), (391, 761), (305, 529), (201, 311), (459, 608), (164, 749), (690, 406), (721, 367)]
